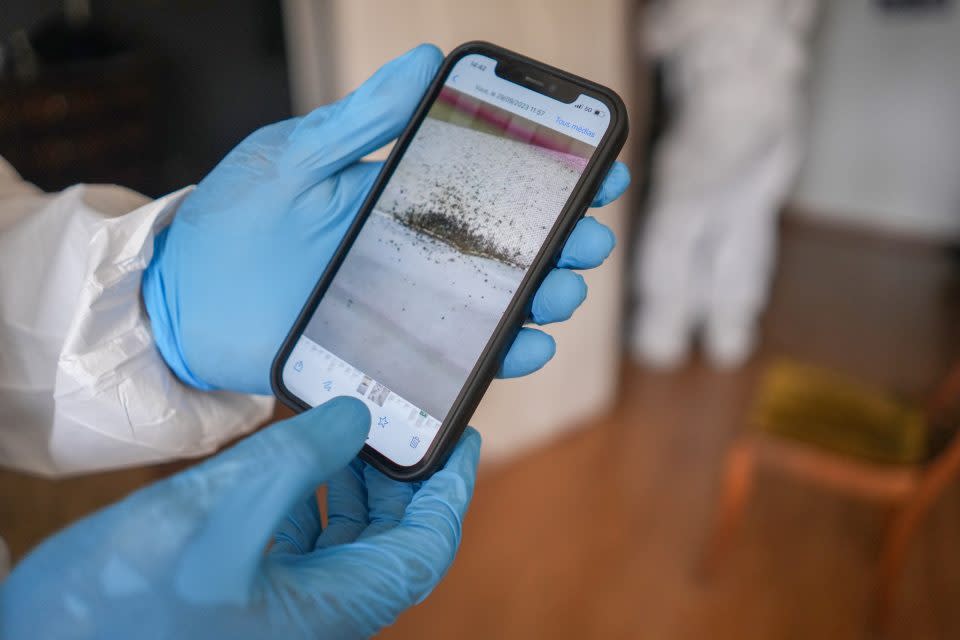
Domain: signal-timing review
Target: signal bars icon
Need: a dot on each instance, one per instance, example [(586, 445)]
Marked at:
[(596, 112)]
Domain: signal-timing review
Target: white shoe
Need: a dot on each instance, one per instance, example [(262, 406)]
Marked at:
[(728, 343), (659, 344)]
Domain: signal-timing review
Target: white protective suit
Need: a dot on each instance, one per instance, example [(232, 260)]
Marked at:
[(82, 386), (734, 74)]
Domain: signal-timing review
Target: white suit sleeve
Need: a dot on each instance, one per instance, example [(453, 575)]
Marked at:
[(82, 385)]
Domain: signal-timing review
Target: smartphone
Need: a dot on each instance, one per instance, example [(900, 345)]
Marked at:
[(434, 278)]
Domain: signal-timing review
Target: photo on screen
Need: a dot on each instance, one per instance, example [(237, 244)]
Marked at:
[(448, 242)]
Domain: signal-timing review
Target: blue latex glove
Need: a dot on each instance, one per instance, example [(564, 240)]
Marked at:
[(184, 558), (246, 248)]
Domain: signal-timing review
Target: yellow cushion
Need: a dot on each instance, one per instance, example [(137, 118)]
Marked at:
[(833, 412)]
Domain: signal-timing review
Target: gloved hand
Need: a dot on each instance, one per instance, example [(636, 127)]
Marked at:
[(246, 248), (184, 558)]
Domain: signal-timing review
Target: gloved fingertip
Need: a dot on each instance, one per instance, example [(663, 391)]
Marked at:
[(422, 62), (530, 351), (550, 348), (574, 290), (334, 136), (547, 346), (559, 296), (621, 172), (614, 184), (428, 53), (581, 288), (618, 178), (348, 410), (589, 245), (611, 238), (342, 421)]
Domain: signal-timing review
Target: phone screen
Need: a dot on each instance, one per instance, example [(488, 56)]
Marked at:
[(438, 261)]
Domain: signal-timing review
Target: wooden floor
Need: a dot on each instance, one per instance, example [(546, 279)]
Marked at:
[(598, 534)]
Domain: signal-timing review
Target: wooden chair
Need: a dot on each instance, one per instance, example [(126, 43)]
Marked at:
[(911, 473)]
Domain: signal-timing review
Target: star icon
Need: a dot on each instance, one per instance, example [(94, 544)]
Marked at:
[(382, 422)]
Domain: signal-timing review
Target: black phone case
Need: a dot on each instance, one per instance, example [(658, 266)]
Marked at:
[(518, 312)]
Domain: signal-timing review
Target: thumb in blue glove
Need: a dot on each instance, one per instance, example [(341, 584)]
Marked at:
[(185, 557), (245, 249)]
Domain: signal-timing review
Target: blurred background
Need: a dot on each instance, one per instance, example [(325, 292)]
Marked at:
[(749, 429)]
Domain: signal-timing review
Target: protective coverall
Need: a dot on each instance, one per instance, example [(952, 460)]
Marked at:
[(734, 74)]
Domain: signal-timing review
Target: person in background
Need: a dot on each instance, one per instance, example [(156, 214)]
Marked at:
[(135, 331), (734, 73)]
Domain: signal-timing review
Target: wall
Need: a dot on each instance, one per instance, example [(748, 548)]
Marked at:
[(884, 147)]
